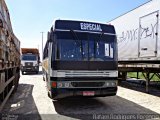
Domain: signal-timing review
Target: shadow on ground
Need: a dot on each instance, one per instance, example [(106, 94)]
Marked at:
[(108, 107), (22, 104), (140, 85)]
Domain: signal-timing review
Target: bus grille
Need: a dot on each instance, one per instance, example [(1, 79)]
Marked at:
[(87, 84)]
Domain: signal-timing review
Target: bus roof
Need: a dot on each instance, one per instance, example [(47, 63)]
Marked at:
[(83, 26)]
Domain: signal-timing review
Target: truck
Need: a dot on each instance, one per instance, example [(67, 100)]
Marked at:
[(9, 56), (80, 59), (138, 37), (138, 34), (30, 60)]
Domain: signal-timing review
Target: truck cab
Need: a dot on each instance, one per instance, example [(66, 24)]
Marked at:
[(29, 60)]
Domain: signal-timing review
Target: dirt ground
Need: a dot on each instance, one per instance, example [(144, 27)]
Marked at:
[(31, 102)]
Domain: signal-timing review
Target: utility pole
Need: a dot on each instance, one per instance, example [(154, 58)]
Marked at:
[(42, 44), (38, 47)]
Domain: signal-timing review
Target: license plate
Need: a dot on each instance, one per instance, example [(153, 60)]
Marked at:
[(88, 93)]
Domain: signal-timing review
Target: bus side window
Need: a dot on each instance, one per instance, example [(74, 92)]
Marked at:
[(53, 51), (47, 52), (57, 54)]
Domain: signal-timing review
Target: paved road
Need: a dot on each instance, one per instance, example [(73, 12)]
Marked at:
[(32, 101)]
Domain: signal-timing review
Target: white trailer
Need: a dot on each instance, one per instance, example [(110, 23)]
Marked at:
[(138, 34)]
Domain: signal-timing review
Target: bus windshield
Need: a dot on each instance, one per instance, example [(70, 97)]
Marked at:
[(73, 46)]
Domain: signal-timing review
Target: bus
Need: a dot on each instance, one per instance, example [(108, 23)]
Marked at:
[(80, 59)]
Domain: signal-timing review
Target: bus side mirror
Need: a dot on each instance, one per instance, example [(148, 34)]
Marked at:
[(50, 36)]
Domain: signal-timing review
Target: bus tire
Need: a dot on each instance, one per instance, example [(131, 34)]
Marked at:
[(49, 95), (43, 78)]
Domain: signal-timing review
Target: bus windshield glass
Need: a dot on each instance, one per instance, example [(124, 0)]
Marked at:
[(76, 46), (29, 57)]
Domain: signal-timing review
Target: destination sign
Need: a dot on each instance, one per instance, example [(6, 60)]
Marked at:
[(83, 26), (90, 27)]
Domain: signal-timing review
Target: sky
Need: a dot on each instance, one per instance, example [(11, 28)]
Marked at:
[(31, 17)]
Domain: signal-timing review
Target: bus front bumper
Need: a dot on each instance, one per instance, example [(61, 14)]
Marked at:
[(90, 92)]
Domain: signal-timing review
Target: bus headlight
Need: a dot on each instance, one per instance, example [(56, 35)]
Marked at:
[(107, 84), (60, 85), (113, 84), (66, 85), (63, 84)]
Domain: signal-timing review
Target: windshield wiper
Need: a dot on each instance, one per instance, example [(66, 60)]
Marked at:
[(76, 37), (95, 44), (100, 37)]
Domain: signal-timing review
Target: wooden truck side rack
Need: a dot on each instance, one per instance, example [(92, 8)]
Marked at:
[(9, 57)]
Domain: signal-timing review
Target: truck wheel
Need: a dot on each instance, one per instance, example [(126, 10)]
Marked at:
[(22, 73)]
